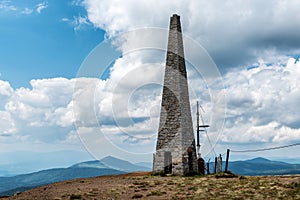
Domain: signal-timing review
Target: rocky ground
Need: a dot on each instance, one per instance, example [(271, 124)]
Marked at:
[(146, 186)]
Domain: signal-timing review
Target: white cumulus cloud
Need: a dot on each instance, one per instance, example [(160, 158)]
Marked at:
[(262, 103), (41, 6), (124, 109), (251, 42), (247, 28), (7, 124), (79, 22), (27, 11), (6, 6)]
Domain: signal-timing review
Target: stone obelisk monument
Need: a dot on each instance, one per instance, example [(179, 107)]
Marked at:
[(175, 149)]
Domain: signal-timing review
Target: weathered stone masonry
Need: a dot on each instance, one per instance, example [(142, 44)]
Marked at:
[(175, 149)]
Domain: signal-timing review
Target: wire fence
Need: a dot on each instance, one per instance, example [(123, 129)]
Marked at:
[(216, 163), (264, 149)]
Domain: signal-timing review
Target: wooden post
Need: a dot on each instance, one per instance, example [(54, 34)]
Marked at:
[(201, 166), (227, 158), (207, 165), (216, 162)]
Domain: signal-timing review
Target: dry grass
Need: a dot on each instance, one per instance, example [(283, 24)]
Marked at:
[(145, 186)]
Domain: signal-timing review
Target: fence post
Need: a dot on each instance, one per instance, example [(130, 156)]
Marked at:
[(227, 158), (216, 162), (207, 164)]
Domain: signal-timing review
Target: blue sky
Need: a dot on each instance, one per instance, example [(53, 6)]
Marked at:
[(48, 44), (40, 40), (252, 47)]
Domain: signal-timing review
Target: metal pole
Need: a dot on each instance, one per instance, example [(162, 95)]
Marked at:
[(207, 164), (227, 158), (216, 162), (198, 131)]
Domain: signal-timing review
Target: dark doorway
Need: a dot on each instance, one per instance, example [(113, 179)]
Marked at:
[(168, 163), (190, 159)]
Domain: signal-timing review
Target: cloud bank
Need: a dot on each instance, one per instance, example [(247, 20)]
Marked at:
[(235, 33), (262, 104), (255, 45), (257, 109)]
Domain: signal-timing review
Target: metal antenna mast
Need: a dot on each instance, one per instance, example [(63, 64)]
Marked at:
[(203, 126), (198, 137)]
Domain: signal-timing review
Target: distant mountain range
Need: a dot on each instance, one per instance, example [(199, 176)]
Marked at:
[(106, 166), (19, 183), (114, 166), (111, 163), (261, 166), (25, 162)]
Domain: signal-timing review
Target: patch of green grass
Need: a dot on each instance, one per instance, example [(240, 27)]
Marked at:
[(137, 196), (141, 184), (293, 189), (90, 194), (156, 193), (157, 182), (226, 175), (194, 188), (75, 196), (171, 183)]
